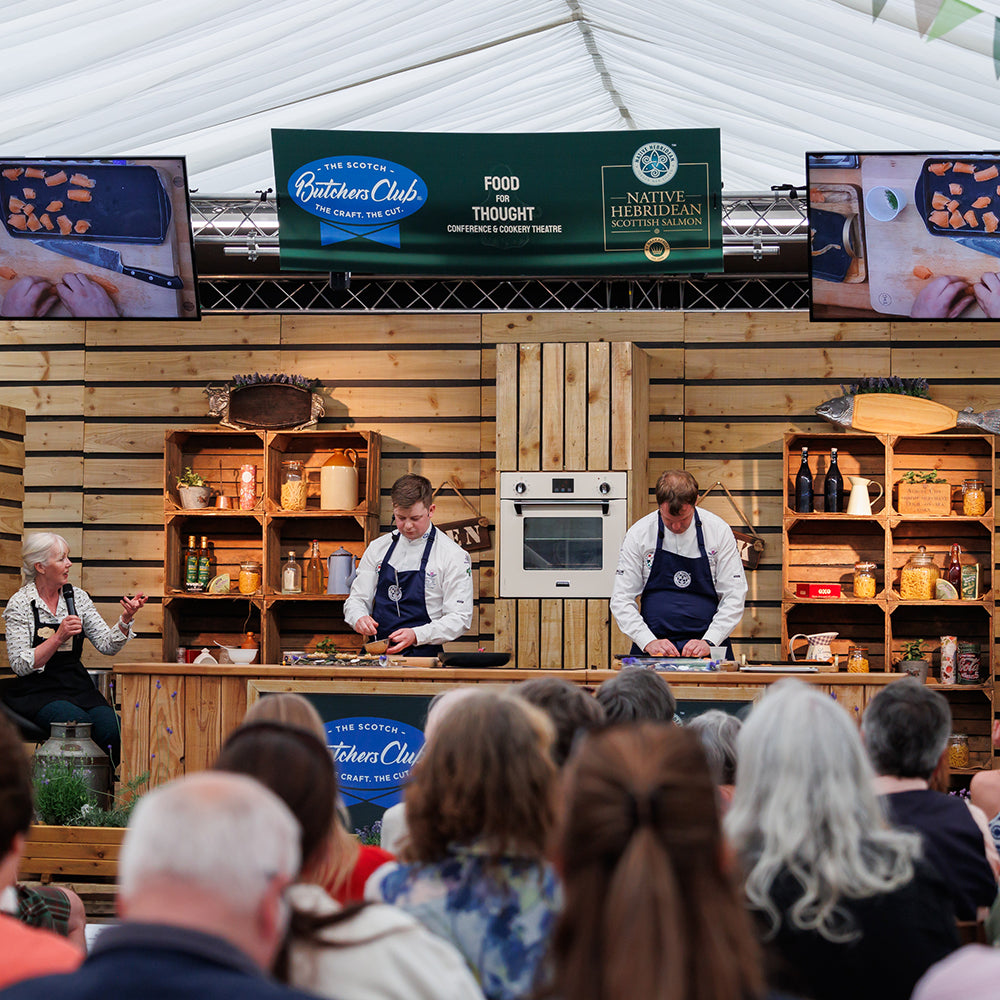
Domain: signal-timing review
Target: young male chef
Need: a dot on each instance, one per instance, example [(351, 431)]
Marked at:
[(413, 586), (680, 586)]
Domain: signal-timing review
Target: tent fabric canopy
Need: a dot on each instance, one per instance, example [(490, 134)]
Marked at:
[(209, 79)]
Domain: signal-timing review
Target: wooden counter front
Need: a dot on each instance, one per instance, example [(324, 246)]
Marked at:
[(175, 716)]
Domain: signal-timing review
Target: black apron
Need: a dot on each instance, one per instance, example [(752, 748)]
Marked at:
[(399, 598), (679, 600), (64, 678)]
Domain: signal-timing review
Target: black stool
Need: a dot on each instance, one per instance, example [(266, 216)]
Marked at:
[(30, 731)]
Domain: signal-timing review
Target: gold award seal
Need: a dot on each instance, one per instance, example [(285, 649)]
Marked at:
[(46, 632), (656, 249)]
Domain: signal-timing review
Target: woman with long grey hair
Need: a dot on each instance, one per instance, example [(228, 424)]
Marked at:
[(843, 901)]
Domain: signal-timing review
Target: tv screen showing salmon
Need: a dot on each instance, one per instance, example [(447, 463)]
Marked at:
[(904, 235), (86, 238)]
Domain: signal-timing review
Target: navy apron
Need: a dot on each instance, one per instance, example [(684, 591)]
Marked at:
[(679, 600), (399, 599), (64, 678)]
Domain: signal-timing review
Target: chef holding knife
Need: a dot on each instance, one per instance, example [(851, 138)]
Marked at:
[(35, 296), (680, 586)]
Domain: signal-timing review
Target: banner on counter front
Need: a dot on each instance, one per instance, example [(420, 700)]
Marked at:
[(568, 203)]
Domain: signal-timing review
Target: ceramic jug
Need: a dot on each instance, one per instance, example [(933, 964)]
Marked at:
[(341, 570), (819, 645), (338, 480), (860, 501)]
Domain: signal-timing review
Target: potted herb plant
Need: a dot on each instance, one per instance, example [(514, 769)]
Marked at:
[(193, 489), (912, 660)]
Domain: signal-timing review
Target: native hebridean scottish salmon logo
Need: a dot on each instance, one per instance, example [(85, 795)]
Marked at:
[(358, 197)]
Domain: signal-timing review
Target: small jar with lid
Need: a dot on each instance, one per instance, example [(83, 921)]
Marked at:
[(864, 580), (958, 750), (973, 498), (857, 660), (918, 577), (249, 577), (293, 485)]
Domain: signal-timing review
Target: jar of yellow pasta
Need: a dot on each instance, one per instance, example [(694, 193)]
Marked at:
[(973, 498), (293, 485), (864, 580), (918, 577), (958, 750), (249, 577), (857, 660)]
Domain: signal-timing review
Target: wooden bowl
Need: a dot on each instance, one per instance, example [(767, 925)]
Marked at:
[(376, 648)]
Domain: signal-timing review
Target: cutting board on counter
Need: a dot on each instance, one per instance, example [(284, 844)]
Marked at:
[(895, 247)]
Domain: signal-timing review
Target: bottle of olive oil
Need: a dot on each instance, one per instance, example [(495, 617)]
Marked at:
[(204, 564), (191, 582)]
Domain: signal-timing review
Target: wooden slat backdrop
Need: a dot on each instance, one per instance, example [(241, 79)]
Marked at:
[(12, 430), (722, 391)]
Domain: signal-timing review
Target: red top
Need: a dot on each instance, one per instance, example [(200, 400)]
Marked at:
[(353, 889), (29, 952)]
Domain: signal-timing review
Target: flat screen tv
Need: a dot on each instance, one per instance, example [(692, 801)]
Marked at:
[(904, 235), (87, 238)]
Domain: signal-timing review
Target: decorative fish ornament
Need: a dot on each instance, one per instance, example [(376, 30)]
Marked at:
[(888, 413)]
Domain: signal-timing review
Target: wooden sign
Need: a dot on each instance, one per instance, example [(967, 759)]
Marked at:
[(473, 534), (924, 499)]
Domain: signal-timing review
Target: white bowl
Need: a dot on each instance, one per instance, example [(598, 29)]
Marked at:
[(238, 655), (884, 203)]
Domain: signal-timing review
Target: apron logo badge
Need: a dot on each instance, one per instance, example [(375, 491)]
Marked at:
[(45, 632), (648, 558), (682, 578), (395, 592)]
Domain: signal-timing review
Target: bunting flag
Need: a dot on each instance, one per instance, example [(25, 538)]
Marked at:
[(926, 11), (877, 7), (950, 16)]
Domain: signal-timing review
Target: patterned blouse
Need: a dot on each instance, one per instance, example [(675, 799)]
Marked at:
[(499, 917)]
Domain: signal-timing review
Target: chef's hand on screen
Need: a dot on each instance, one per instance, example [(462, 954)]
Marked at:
[(83, 297), (661, 647), (401, 639), (987, 293), (28, 296), (943, 297), (366, 625), (696, 647)]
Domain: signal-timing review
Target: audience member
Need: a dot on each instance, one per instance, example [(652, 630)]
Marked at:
[(348, 862), (571, 710), (984, 791), (718, 731), (202, 875), (636, 694), (479, 807), (905, 729), (363, 952), (842, 899), (971, 973), (27, 951), (651, 909)]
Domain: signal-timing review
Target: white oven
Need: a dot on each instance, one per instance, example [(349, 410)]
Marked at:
[(559, 533)]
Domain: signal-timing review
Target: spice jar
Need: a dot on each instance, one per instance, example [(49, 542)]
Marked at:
[(857, 660), (973, 498), (864, 580), (958, 750), (293, 485), (249, 577), (918, 577)]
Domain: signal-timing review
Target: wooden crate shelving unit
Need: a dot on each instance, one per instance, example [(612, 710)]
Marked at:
[(265, 534), (823, 548)]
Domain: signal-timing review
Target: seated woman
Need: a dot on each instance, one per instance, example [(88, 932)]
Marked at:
[(47, 620), (347, 864), (479, 807), (363, 952), (844, 902), (651, 909)]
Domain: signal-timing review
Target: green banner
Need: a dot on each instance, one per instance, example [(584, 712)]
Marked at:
[(568, 203)]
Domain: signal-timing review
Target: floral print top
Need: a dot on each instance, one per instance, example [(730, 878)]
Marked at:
[(499, 917)]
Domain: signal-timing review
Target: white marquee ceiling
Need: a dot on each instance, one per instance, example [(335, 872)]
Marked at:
[(208, 79)]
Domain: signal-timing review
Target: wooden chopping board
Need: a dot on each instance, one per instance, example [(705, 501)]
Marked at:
[(135, 297), (895, 247)]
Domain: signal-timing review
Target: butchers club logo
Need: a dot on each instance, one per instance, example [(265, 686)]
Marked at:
[(373, 756)]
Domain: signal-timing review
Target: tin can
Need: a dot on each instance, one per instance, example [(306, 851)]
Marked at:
[(968, 663), (949, 653), (247, 486)]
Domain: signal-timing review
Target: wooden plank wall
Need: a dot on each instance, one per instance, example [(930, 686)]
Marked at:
[(723, 389), (12, 427)]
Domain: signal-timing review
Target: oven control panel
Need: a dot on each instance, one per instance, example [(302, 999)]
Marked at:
[(558, 485)]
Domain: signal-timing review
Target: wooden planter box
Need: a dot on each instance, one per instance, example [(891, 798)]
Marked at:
[(67, 853), (924, 499)]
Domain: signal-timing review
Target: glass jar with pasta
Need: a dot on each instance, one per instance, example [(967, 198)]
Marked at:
[(958, 750), (918, 577), (973, 498), (864, 580), (857, 660), (293, 485), (249, 577)]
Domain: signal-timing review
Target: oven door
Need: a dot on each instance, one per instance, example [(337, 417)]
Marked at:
[(560, 548)]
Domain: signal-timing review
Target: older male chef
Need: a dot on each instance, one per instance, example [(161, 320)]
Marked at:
[(680, 586), (413, 586)]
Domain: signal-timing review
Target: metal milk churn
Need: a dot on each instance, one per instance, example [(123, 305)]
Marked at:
[(70, 742)]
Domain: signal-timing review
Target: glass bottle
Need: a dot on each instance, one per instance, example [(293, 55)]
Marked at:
[(833, 487), (204, 563), (291, 576), (191, 582), (953, 572), (804, 486), (293, 485), (314, 570)]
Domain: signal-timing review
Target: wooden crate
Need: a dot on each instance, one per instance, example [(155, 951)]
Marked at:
[(216, 455), (90, 851)]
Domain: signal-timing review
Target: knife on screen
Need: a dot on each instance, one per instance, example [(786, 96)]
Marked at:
[(91, 253)]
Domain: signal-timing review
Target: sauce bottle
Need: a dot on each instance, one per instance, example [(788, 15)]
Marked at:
[(314, 571), (953, 571), (804, 486)]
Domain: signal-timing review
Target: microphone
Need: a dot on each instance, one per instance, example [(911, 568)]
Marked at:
[(70, 599)]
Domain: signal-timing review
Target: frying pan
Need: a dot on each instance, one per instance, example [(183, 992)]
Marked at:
[(474, 659)]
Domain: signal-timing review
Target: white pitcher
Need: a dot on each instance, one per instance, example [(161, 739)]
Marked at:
[(819, 645), (860, 501)]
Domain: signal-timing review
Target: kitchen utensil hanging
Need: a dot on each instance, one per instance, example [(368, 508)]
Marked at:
[(751, 546)]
